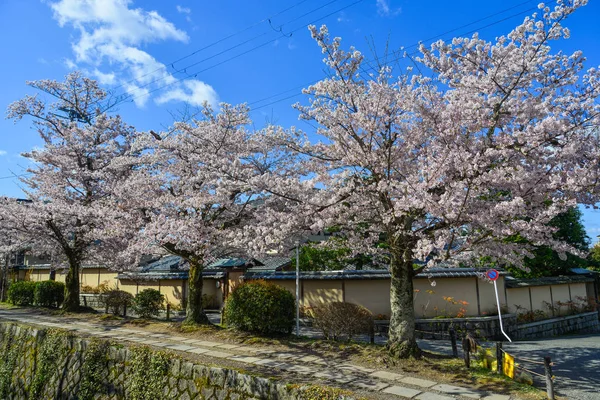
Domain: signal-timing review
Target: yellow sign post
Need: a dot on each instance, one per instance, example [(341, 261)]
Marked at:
[(508, 365)]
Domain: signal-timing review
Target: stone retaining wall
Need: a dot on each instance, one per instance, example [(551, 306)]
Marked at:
[(580, 323), (481, 327), (53, 364), (90, 300)]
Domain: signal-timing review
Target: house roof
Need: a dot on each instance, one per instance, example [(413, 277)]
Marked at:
[(366, 274), (548, 280)]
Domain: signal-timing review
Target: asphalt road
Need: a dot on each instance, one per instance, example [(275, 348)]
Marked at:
[(576, 359)]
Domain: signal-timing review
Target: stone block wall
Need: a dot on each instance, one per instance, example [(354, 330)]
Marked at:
[(52, 364), (481, 327), (580, 323)]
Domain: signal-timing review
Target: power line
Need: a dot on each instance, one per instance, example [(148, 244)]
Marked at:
[(172, 63), (184, 69), (413, 53), (131, 97), (15, 176)]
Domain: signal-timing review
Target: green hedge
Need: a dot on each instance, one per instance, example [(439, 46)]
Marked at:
[(49, 293), (148, 303), (260, 306), (21, 293)]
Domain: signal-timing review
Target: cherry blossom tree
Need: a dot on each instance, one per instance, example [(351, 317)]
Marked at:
[(487, 141), (189, 199), (85, 154)]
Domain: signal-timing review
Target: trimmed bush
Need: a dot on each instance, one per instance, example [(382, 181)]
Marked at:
[(337, 320), (116, 301), (49, 293), (261, 307), (148, 303), (21, 293)]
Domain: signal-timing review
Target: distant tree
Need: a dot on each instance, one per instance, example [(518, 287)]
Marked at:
[(85, 155), (323, 257), (546, 261), (594, 257)]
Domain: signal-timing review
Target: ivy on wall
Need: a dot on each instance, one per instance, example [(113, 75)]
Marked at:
[(94, 370), (148, 373)]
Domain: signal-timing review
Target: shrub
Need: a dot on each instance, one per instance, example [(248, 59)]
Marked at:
[(115, 301), (335, 320), (148, 303), (260, 306), (49, 293), (21, 293)]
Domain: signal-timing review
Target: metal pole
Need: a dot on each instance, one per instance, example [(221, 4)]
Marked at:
[(500, 312), (297, 288)]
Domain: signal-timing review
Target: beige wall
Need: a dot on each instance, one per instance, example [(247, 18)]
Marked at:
[(518, 297), (233, 280), (580, 290), (210, 288), (487, 296), (539, 295), (431, 304), (37, 274), (317, 292), (374, 295)]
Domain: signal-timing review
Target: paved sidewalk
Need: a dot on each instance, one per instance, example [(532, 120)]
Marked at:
[(329, 371)]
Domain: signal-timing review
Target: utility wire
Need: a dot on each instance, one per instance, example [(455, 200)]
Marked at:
[(172, 63), (184, 69), (195, 74), (413, 53)]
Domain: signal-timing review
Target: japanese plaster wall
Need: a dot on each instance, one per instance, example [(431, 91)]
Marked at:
[(52, 364), (172, 289), (429, 300), (518, 298), (374, 295), (540, 295), (487, 295), (38, 274), (214, 293), (580, 290), (317, 292)]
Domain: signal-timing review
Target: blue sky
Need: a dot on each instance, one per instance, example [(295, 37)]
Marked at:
[(245, 51)]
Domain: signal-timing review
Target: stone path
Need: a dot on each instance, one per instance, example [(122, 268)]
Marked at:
[(344, 374)]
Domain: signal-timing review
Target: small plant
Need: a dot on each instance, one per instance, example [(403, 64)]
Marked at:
[(49, 293), (116, 301), (148, 303), (21, 293), (260, 306), (337, 320)]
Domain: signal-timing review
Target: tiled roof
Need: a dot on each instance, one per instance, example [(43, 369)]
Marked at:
[(544, 281), (367, 274)]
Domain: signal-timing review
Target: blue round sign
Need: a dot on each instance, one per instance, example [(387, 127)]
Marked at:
[(492, 274)]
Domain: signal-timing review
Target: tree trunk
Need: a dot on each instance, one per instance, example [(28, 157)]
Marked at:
[(401, 342), (194, 310), (71, 302)]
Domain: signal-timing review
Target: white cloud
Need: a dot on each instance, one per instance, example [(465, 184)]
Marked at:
[(104, 79), (342, 17), (70, 64), (183, 10), (3, 152), (194, 93), (112, 33), (385, 9)]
